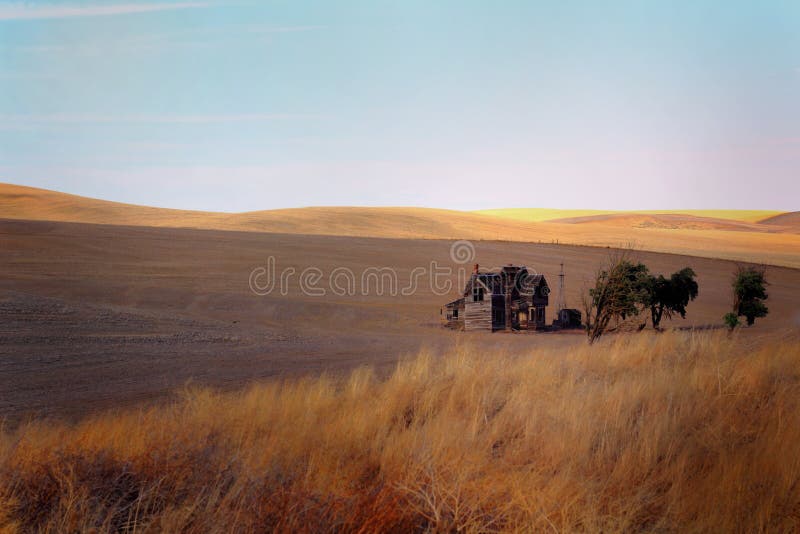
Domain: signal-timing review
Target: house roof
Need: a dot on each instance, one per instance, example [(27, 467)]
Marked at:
[(455, 302), (494, 280), (537, 278)]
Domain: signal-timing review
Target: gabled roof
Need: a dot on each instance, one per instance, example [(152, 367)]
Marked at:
[(537, 279), (455, 302), (494, 281)]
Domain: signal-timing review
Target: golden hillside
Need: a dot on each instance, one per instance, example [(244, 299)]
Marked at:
[(791, 219), (550, 214), (714, 238), (675, 221)]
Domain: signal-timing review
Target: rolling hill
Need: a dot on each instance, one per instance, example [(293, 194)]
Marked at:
[(790, 219), (674, 221), (682, 234), (549, 214)]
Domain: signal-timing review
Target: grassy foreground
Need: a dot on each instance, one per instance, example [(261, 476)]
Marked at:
[(671, 432)]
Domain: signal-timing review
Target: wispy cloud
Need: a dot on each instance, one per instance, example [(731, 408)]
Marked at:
[(188, 38), (207, 35), (67, 118), (28, 11)]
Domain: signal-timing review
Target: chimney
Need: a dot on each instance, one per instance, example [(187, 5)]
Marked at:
[(476, 268)]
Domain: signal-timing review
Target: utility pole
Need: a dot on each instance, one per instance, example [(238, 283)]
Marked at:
[(562, 299)]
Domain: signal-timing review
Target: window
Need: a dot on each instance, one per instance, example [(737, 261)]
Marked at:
[(477, 293), (455, 313)]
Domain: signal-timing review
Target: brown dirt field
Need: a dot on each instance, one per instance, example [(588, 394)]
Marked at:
[(790, 220), (99, 316), (750, 243)]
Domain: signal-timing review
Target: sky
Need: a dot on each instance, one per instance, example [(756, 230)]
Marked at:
[(248, 105)]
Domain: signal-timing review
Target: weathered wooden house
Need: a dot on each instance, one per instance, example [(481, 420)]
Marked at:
[(511, 298)]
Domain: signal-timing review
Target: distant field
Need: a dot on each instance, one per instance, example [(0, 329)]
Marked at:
[(775, 244), (540, 214), (97, 316), (548, 214), (784, 219)]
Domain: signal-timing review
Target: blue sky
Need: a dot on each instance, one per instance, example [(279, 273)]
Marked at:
[(238, 106)]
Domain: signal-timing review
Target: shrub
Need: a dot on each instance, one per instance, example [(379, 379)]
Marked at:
[(731, 320)]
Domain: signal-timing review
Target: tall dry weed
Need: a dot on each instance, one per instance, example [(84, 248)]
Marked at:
[(672, 432)]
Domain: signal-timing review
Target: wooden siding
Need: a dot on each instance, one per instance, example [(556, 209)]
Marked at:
[(478, 315), (483, 303), (453, 314)]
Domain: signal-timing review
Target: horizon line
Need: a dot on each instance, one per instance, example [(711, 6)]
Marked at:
[(643, 211)]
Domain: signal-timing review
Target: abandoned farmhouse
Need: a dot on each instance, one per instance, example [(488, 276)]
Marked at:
[(510, 298)]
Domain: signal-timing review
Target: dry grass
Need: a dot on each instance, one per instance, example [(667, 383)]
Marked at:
[(672, 432)]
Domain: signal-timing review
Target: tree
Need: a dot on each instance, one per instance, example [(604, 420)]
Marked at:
[(668, 296), (731, 320), (619, 290), (749, 293)]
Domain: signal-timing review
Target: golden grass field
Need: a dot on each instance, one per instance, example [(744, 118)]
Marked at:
[(705, 233), (675, 432)]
